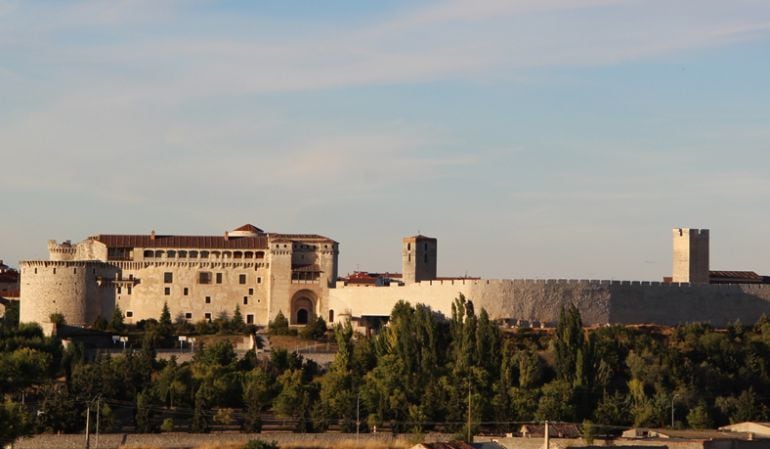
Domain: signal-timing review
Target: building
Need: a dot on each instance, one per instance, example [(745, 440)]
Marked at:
[(262, 273), (199, 277)]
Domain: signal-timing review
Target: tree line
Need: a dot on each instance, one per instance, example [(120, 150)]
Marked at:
[(421, 372)]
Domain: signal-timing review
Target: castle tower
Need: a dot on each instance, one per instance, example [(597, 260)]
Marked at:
[(418, 258), (691, 256)]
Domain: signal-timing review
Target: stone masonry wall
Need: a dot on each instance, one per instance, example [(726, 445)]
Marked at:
[(600, 302)]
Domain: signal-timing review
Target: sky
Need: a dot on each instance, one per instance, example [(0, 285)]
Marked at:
[(533, 138)]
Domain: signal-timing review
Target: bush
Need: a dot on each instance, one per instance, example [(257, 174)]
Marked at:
[(315, 329), (167, 426), (259, 444), (279, 326)]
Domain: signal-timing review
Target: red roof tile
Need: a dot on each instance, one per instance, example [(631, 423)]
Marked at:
[(181, 241)]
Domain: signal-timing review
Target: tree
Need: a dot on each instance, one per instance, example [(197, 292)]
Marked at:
[(279, 325), (14, 423), (236, 323), (116, 323), (315, 329), (699, 417)]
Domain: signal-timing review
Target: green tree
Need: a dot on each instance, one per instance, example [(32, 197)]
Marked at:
[(699, 417), (14, 423), (279, 325), (116, 323)]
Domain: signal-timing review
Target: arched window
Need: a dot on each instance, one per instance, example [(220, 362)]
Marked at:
[(204, 254), (237, 255), (158, 254), (259, 255), (182, 254), (248, 255), (148, 253), (331, 315), (170, 254), (193, 254)]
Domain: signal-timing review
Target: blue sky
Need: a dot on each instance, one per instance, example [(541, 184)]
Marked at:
[(533, 138)]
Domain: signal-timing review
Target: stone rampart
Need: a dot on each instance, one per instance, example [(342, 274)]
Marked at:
[(67, 287), (600, 301)]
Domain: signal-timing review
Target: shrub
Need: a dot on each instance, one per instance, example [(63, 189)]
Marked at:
[(280, 325), (259, 444)]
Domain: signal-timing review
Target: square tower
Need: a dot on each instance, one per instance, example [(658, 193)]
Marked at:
[(418, 258), (691, 256)]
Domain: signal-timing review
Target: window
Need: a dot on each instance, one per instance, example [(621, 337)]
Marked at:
[(74, 271), (259, 280), (129, 289), (35, 270), (426, 258), (426, 247), (260, 255), (186, 291), (204, 277), (219, 278), (193, 254), (208, 299), (249, 319), (129, 314), (241, 279), (168, 278), (183, 254), (245, 300), (207, 316), (158, 253), (331, 315), (167, 291), (251, 291), (119, 289), (204, 254), (188, 315), (148, 253), (54, 271), (170, 254)]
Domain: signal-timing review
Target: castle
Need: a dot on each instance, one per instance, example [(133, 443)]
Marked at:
[(262, 273)]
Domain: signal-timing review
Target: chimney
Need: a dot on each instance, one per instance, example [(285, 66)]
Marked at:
[(227, 235), (152, 235)]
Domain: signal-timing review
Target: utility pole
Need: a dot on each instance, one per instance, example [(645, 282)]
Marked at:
[(88, 418), (469, 411), (547, 444), (98, 412), (358, 415)]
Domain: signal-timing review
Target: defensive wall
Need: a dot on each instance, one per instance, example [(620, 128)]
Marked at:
[(77, 289), (600, 302)]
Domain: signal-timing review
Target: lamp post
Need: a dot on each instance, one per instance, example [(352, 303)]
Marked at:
[(673, 397)]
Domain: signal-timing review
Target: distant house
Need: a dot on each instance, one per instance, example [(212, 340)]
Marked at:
[(555, 430), (761, 429), (687, 434)]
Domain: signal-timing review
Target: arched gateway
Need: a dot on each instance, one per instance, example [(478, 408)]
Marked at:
[(303, 307)]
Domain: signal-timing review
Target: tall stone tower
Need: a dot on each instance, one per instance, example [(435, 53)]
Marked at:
[(691, 256), (418, 258)]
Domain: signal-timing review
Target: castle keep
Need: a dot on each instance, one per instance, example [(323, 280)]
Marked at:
[(201, 277)]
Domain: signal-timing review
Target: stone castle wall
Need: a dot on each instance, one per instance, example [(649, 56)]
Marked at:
[(600, 302), (74, 289)]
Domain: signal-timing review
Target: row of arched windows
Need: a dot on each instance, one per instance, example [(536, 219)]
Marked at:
[(195, 254)]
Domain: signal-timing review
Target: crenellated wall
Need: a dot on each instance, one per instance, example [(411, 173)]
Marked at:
[(600, 302), (79, 290)]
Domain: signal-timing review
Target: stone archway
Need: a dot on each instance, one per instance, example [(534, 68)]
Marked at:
[(302, 308)]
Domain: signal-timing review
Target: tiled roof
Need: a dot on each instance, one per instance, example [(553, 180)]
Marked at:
[(249, 228), (181, 241), (448, 445), (302, 237), (742, 275)]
